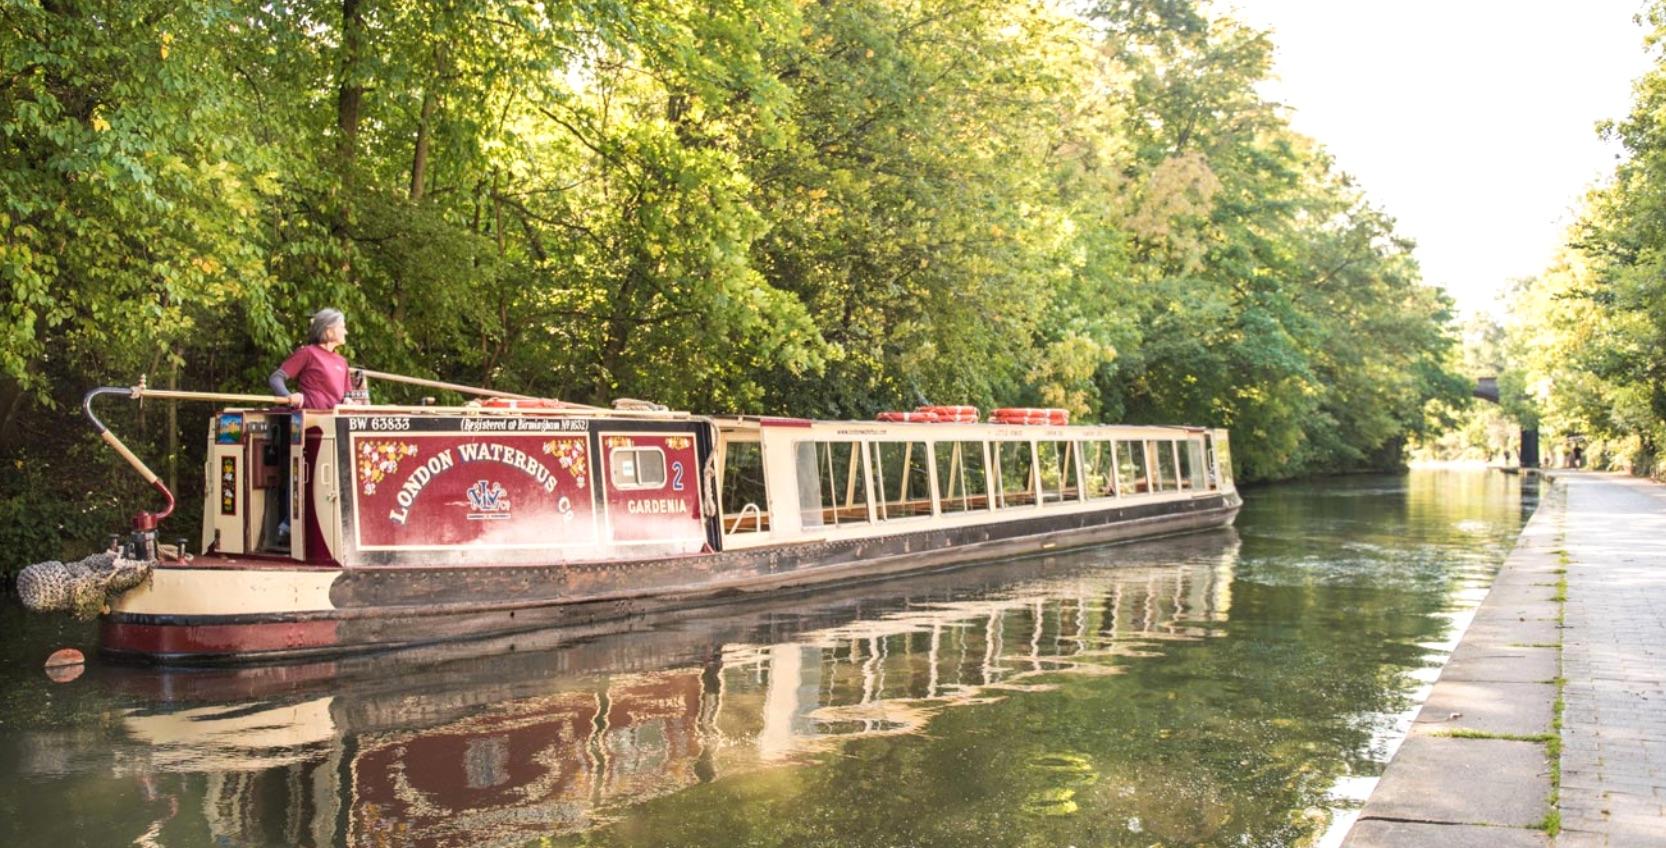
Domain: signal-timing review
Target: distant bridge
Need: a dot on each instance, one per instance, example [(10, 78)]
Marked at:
[(1486, 388)]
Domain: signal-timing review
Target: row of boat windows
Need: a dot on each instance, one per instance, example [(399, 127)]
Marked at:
[(839, 480)]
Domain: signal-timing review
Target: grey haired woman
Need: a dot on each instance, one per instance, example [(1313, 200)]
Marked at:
[(320, 372)]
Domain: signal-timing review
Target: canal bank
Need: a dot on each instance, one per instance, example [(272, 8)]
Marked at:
[(1546, 726)]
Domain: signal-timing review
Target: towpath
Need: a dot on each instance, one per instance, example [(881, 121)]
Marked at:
[(1550, 717)]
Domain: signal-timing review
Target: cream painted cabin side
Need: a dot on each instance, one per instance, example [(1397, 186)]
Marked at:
[(789, 480)]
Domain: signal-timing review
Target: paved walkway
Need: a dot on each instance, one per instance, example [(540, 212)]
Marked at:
[(1475, 769), (1614, 661)]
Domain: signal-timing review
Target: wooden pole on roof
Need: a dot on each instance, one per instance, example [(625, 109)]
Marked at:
[(441, 384), (459, 388)]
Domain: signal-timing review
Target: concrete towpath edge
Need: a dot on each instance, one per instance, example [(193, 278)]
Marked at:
[(1477, 766)]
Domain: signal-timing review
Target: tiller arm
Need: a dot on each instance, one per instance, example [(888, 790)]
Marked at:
[(145, 522)]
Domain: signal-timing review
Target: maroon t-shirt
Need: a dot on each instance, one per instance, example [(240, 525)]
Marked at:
[(322, 375)]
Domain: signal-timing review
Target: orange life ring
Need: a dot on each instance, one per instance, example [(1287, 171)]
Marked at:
[(1052, 416), (522, 403), (953, 414), (916, 417)]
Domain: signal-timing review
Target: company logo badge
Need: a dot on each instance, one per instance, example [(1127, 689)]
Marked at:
[(488, 502)]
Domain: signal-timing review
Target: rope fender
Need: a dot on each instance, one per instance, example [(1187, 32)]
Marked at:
[(82, 588)]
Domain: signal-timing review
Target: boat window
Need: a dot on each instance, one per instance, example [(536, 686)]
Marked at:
[(1015, 466), (741, 487), (1185, 465), (902, 473), (1209, 472), (1191, 463), (1056, 462), (961, 476), (637, 468), (1130, 468), (832, 490), (808, 474), (1223, 460), (1168, 479), (1098, 473)]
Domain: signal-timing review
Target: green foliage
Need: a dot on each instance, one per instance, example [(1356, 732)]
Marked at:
[(1587, 334), (752, 205)]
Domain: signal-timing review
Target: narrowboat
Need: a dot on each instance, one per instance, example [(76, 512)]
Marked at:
[(373, 527)]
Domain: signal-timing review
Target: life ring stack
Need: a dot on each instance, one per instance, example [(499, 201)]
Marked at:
[(953, 414), (1051, 416), (934, 415), (523, 403), (1048, 416)]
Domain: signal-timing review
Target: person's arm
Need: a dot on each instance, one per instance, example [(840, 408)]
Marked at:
[(280, 388), (278, 384)]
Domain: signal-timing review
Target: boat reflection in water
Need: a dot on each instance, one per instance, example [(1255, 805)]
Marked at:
[(546, 736)]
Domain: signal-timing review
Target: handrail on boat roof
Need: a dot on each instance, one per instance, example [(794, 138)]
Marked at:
[(935, 426), (473, 409), (403, 409)]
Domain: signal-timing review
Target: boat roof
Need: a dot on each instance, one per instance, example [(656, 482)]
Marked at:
[(873, 427), (566, 411), (743, 423)]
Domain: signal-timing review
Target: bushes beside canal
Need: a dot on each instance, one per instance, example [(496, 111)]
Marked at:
[(752, 205)]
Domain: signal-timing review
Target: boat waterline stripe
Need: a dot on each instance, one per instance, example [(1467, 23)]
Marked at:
[(212, 639)]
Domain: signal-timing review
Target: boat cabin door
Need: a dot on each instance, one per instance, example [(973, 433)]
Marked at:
[(282, 474), (652, 485), (256, 493)]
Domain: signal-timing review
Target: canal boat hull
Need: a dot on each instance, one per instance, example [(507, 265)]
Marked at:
[(380, 608)]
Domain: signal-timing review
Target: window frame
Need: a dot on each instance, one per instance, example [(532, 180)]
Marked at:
[(1107, 452), (1070, 472), (1139, 459), (760, 526), (879, 506), (939, 490), (612, 472), (827, 480), (1000, 487)]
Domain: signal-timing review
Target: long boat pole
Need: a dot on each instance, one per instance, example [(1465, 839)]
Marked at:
[(141, 391), (441, 384)]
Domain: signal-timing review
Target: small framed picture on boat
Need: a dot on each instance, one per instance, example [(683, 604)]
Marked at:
[(228, 428)]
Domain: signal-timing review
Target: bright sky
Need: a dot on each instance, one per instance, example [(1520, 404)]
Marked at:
[(1472, 122)]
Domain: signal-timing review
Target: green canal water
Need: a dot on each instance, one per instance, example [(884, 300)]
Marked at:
[(1234, 688)]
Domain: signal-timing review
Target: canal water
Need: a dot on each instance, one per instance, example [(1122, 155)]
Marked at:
[(1240, 687)]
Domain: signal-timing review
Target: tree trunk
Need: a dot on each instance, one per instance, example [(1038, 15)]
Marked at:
[(419, 157), (349, 102), (497, 214), (349, 85), (425, 123), (614, 344), (12, 397)]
